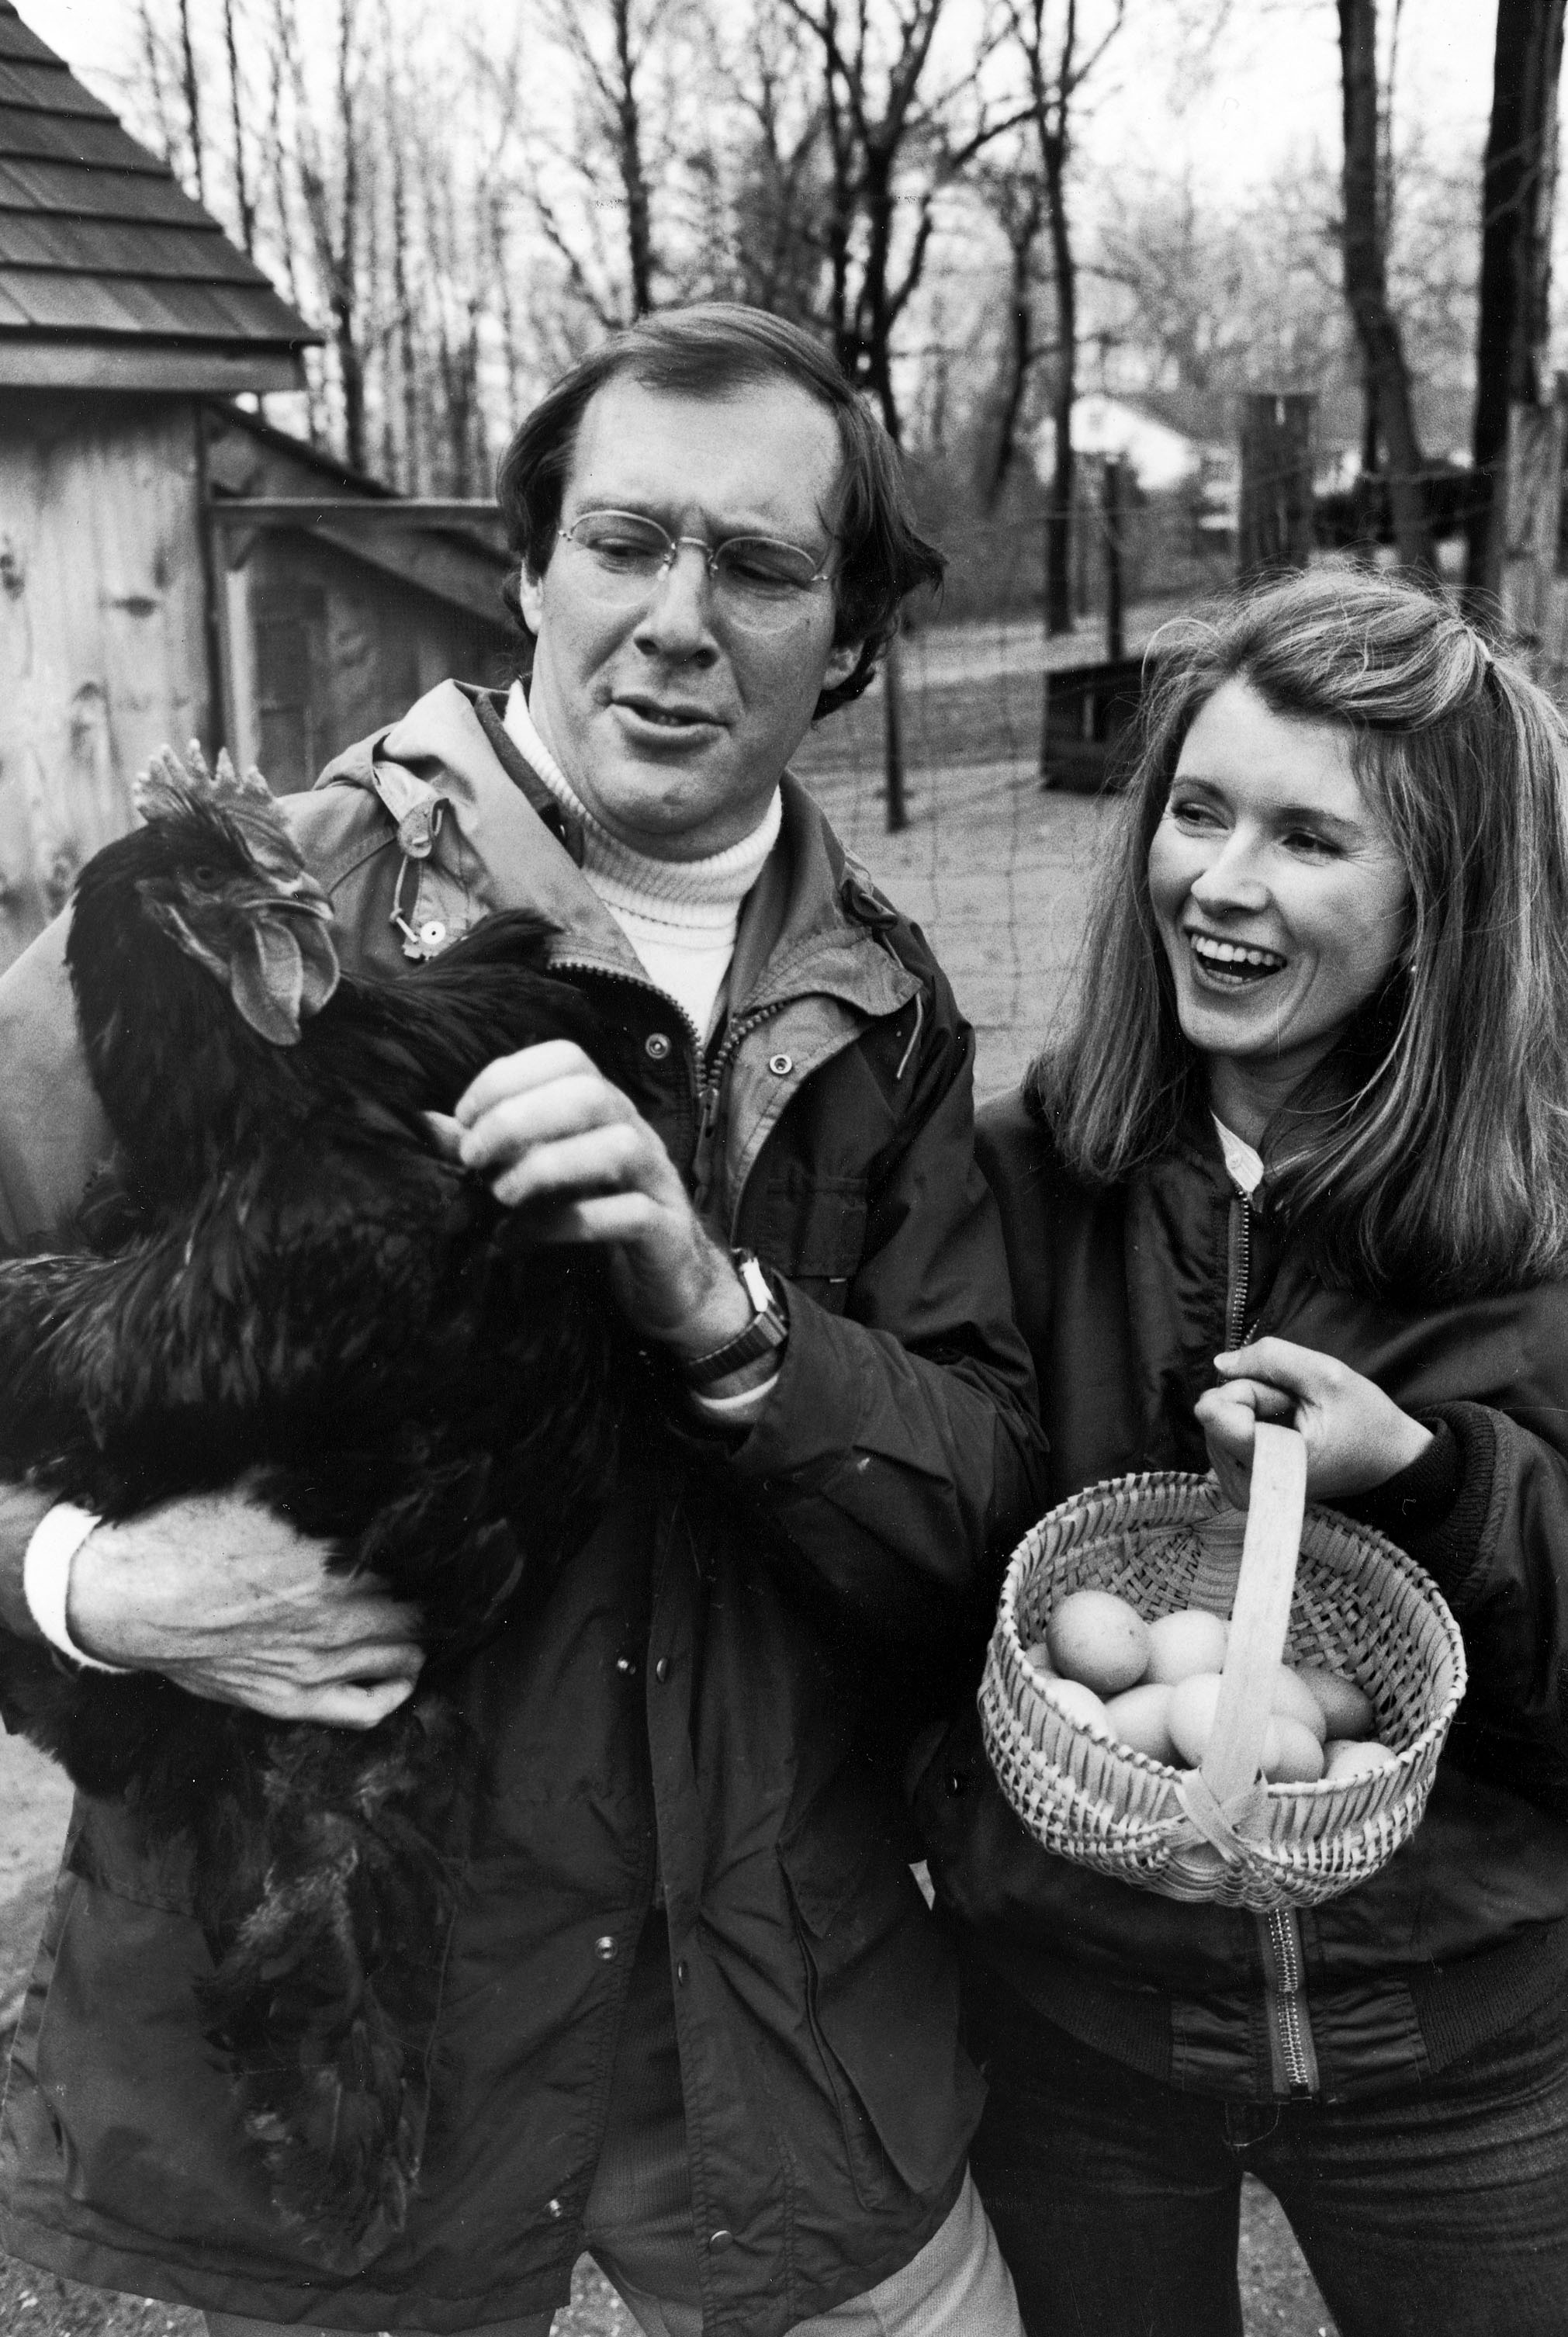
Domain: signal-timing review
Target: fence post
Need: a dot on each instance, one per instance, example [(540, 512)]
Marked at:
[(1274, 520), (1112, 514), (1531, 507), (893, 739)]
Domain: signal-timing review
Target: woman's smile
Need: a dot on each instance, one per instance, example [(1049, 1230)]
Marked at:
[(1279, 898), (1231, 965)]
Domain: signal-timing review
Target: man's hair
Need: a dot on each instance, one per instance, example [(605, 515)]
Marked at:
[(711, 351), (1430, 1156)]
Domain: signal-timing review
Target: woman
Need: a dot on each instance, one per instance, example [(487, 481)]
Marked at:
[(1303, 1154)]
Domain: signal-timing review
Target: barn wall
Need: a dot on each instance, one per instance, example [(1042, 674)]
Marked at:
[(337, 648), (103, 655)]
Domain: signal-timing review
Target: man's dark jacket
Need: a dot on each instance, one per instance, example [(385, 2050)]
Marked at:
[(1125, 1295), (714, 1689)]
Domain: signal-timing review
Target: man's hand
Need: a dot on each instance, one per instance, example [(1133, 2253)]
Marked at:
[(1357, 1437), (551, 1136), (223, 1597)]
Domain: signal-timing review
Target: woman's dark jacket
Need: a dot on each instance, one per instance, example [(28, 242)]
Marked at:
[(1125, 1297), (715, 1688)]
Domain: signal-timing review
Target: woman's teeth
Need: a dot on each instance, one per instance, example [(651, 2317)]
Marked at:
[(1233, 961)]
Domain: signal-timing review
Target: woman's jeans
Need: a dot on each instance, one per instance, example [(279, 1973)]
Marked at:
[(1440, 2211)]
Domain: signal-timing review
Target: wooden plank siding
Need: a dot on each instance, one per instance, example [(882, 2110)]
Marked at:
[(103, 637)]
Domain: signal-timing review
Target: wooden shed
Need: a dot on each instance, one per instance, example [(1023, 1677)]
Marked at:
[(171, 567)]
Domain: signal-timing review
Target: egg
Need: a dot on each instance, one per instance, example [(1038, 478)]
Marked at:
[(1141, 1718), (1191, 1640), (1097, 1639), (1038, 1655), (1350, 1759), (1293, 1753), (1347, 1708), (1190, 1720), (1078, 1704), (1292, 1698)]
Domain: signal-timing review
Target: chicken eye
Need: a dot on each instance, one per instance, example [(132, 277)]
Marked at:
[(205, 876)]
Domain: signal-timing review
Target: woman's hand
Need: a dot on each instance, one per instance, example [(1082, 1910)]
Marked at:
[(1357, 1437)]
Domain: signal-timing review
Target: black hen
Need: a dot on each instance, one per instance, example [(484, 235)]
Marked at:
[(288, 1283)]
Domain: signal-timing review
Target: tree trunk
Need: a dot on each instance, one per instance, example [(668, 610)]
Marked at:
[(1114, 642), (1274, 515), (1023, 229), (193, 101), (242, 198), (1517, 186), (633, 176), (1059, 506), (1367, 286)]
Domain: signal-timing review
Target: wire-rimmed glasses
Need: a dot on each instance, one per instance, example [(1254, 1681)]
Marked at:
[(759, 582)]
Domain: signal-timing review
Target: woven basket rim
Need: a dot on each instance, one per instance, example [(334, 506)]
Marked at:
[(1199, 1497)]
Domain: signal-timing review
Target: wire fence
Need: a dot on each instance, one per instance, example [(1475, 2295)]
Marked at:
[(996, 868)]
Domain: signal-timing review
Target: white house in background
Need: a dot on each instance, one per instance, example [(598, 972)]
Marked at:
[(1158, 456)]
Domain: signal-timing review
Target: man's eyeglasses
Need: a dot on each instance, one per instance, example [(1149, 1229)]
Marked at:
[(757, 581)]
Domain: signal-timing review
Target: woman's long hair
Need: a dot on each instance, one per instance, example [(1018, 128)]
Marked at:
[(1430, 1155)]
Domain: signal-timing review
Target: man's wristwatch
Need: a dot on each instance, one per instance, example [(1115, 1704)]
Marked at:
[(764, 1335)]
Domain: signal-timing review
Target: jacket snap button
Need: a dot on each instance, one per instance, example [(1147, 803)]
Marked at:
[(656, 1046), (604, 1949), (720, 2241), (555, 2210), (626, 1663), (662, 1669), (681, 1973), (781, 1065), (433, 933)]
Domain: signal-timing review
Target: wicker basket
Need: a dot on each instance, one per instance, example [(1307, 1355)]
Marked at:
[(1356, 1603)]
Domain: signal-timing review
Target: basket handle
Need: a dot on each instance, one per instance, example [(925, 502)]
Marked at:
[(1261, 1615)]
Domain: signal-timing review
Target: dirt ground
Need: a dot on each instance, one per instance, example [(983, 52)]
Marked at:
[(999, 874)]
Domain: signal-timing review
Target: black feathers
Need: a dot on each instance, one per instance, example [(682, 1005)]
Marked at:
[(288, 1283)]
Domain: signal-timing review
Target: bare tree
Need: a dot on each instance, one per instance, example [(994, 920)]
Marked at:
[(189, 84), (243, 204), (152, 66), (1367, 283), (894, 145), (609, 195), (1016, 200), (333, 210), (1058, 58), (1518, 183)]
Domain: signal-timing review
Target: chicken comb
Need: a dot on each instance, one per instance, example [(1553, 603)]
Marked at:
[(273, 949)]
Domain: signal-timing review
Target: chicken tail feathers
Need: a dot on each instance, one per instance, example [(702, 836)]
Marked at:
[(324, 2002)]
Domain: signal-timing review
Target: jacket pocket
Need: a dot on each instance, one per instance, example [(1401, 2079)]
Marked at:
[(882, 2001), (813, 1228)]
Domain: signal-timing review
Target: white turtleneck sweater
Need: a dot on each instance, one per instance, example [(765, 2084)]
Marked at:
[(680, 916)]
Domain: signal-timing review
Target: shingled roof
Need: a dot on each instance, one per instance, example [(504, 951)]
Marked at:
[(110, 277)]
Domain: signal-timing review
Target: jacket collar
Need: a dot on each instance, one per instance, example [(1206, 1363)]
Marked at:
[(811, 925)]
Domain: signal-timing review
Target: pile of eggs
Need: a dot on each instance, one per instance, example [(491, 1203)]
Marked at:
[(1155, 1687)]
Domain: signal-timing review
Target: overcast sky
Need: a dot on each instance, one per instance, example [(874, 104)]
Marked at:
[(1268, 90)]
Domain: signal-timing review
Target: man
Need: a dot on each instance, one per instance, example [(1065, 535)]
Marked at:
[(694, 2013)]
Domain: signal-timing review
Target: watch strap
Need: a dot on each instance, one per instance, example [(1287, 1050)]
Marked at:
[(764, 1336)]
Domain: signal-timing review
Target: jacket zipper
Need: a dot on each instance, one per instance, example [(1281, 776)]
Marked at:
[(1241, 1269), (1292, 2052), (708, 1083)]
